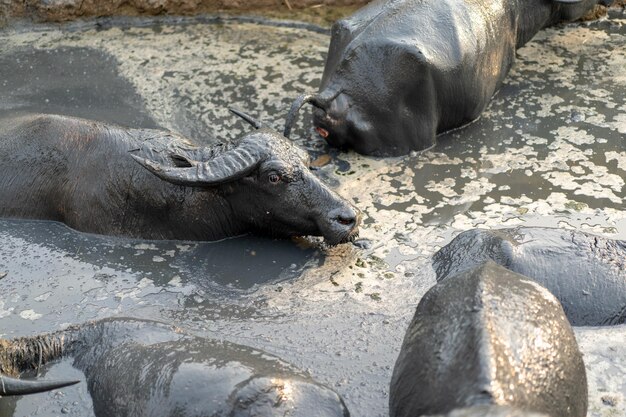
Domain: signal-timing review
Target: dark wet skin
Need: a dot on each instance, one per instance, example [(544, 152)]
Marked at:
[(586, 273), (145, 368), (489, 336), (85, 174), (399, 73)]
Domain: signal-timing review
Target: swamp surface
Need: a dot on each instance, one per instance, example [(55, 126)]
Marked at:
[(550, 150)]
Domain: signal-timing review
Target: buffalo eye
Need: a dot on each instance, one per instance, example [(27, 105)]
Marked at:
[(274, 178)]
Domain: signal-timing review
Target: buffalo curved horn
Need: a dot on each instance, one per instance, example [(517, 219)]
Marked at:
[(255, 123), (300, 101), (225, 167), (12, 386)]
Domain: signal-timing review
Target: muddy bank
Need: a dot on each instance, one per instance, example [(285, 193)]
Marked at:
[(323, 12), (315, 11)]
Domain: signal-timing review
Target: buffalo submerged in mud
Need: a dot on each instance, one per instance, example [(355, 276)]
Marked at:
[(586, 273), (85, 174), (146, 368), (400, 72), (489, 342)]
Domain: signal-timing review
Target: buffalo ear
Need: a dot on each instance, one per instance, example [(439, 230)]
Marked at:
[(181, 161)]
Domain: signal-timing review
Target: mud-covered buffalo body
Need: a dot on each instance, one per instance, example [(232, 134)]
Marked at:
[(489, 342), (137, 368), (585, 272), (86, 174), (399, 72)]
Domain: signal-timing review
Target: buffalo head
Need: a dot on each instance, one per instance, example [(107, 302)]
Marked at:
[(330, 117), (400, 72), (370, 102), (265, 182)]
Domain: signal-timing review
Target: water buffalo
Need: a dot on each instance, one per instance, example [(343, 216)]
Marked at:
[(145, 368), (586, 273), (399, 72), (489, 337), (85, 174)]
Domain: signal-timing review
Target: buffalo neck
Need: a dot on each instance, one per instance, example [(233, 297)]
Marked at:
[(26, 353), (133, 202), (533, 16)]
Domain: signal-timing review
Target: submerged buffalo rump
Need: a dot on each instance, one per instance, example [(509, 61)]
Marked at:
[(140, 368), (585, 272), (400, 72), (85, 174), (488, 342)]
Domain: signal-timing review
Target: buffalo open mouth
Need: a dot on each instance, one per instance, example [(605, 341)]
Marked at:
[(322, 132)]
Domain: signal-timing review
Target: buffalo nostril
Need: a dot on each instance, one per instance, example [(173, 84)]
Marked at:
[(346, 220), (347, 217)]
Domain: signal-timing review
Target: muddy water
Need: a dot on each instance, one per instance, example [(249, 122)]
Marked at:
[(549, 151)]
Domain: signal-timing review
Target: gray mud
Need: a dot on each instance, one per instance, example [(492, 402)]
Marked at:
[(550, 150)]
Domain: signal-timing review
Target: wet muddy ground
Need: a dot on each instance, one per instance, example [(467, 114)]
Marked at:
[(550, 150)]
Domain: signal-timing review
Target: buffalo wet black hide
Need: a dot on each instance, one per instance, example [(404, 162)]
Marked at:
[(155, 184), (586, 273), (489, 336), (400, 72), (138, 368)]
